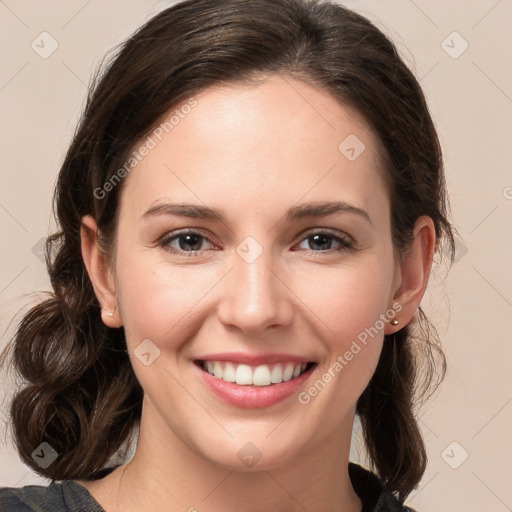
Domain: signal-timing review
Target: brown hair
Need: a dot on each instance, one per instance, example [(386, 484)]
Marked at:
[(81, 395)]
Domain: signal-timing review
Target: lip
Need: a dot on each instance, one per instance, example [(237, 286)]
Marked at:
[(253, 397)]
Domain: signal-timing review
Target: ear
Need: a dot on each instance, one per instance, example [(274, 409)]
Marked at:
[(414, 272), (100, 272)]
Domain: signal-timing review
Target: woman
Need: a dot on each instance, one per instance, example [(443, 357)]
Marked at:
[(249, 212)]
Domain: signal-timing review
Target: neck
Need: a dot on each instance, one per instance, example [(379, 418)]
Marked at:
[(167, 475)]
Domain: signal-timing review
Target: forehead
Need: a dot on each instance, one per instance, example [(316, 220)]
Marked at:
[(275, 141)]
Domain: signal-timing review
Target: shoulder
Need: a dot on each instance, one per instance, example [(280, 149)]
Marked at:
[(67, 496), (372, 493)]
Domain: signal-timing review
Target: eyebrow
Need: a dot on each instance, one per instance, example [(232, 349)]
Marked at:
[(302, 211)]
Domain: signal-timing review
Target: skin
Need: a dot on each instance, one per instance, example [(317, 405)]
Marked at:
[(254, 152)]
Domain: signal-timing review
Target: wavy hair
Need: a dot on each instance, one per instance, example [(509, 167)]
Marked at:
[(80, 393)]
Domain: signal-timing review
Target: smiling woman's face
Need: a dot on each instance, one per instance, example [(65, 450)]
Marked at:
[(248, 276)]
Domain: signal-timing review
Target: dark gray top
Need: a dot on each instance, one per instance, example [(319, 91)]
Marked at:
[(68, 496)]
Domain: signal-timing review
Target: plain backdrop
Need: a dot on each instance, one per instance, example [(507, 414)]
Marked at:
[(460, 51)]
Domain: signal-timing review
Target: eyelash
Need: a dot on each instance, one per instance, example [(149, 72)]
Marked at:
[(345, 243)]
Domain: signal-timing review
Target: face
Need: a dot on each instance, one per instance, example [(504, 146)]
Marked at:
[(254, 282)]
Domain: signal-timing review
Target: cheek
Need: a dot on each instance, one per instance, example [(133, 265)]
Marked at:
[(350, 306), (159, 301), (347, 299)]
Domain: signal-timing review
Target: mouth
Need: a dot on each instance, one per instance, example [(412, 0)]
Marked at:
[(261, 376)]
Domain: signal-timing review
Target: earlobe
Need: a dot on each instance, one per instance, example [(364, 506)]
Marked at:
[(99, 271), (415, 268)]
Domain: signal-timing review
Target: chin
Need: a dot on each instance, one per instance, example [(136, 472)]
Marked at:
[(251, 453)]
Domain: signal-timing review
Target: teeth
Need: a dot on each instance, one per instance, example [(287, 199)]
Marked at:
[(217, 370), (261, 376), (277, 374), (229, 374), (288, 372), (245, 375)]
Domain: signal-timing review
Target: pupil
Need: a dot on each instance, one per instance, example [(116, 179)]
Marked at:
[(321, 237), (188, 243)]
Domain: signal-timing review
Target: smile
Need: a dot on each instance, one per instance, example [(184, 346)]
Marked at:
[(245, 385), (262, 375)]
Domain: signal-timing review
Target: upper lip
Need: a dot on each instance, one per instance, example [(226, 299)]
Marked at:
[(254, 359)]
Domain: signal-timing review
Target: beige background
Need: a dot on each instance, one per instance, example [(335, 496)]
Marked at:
[(471, 101)]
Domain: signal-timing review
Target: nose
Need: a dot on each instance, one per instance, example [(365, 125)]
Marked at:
[(255, 296)]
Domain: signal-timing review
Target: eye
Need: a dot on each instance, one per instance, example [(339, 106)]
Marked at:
[(190, 242), (322, 241)]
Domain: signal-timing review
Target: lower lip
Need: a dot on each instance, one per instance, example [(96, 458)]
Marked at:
[(253, 397)]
